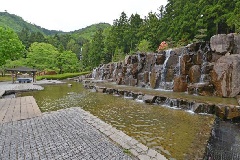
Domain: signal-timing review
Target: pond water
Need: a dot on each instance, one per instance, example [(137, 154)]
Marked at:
[(174, 133)]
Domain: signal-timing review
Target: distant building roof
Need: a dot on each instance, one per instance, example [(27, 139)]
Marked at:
[(22, 69)]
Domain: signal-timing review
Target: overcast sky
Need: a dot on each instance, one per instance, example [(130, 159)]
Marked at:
[(70, 15)]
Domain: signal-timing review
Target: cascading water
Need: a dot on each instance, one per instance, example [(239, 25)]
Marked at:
[(94, 73), (163, 84), (204, 76)]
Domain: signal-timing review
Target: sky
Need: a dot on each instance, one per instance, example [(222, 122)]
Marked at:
[(70, 15)]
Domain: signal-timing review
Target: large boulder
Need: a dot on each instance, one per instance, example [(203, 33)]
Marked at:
[(155, 77), (150, 60), (180, 84), (185, 63), (224, 43), (236, 44), (194, 74), (226, 75), (221, 43)]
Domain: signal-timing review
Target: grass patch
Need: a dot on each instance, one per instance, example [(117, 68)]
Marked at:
[(5, 78), (61, 76), (126, 151)]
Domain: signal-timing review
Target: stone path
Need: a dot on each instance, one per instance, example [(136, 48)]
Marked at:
[(69, 134), (14, 109), (56, 135)]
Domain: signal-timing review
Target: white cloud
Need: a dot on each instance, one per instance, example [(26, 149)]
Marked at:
[(75, 14)]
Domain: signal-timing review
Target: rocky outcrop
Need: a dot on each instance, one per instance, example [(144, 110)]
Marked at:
[(195, 74), (180, 84), (200, 68), (225, 43), (226, 76)]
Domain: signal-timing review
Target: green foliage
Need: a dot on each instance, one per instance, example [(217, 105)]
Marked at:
[(144, 46), (200, 36), (119, 55), (41, 56), (44, 56), (88, 32), (66, 62), (61, 76), (11, 48)]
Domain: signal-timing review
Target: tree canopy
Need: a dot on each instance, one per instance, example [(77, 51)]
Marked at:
[(11, 48)]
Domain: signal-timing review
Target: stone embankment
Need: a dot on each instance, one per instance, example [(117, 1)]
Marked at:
[(225, 111)]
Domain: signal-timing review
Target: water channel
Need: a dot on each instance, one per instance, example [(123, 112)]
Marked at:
[(173, 132)]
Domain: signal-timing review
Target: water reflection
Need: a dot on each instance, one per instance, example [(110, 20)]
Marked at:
[(171, 132)]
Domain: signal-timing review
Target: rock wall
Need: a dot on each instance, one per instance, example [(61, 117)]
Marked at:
[(205, 68)]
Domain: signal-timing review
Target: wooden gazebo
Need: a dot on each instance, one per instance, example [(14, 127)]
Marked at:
[(16, 70)]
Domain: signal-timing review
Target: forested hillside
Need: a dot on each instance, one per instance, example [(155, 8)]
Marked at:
[(178, 23), (17, 24)]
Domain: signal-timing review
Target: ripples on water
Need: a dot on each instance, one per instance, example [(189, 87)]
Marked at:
[(175, 133)]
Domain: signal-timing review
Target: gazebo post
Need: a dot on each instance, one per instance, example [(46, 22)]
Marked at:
[(34, 79), (12, 73), (16, 75)]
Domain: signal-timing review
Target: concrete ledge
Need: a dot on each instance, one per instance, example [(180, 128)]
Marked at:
[(136, 148)]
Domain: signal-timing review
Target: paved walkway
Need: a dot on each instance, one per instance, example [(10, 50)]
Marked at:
[(14, 109), (62, 134), (7, 86)]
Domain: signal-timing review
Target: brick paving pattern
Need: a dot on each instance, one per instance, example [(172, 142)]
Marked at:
[(61, 134)]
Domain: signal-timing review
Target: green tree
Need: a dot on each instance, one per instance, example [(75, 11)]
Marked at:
[(41, 56), (132, 33), (143, 46), (119, 55), (11, 48), (24, 37), (67, 62), (85, 61), (74, 47), (97, 49), (152, 30)]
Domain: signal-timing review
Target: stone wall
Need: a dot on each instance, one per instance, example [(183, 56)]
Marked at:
[(204, 68)]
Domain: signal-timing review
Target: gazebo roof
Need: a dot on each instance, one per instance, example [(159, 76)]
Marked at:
[(22, 69)]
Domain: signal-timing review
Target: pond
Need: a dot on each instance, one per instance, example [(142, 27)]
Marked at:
[(175, 133)]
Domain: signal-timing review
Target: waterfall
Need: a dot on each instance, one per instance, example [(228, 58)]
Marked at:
[(163, 84), (94, 73), (204, 76), (179, 65)]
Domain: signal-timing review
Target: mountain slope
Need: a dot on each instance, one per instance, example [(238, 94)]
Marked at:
[(17, 24), (89, 31)]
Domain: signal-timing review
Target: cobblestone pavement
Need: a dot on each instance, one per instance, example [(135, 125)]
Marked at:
[(62, 134)]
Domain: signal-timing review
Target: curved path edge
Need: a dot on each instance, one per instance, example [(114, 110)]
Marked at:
[(136, 148)]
